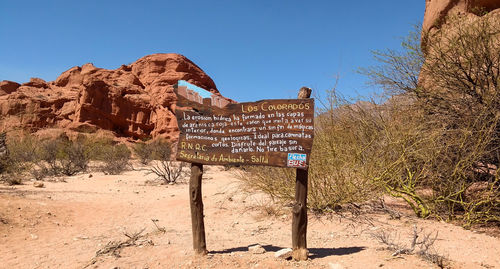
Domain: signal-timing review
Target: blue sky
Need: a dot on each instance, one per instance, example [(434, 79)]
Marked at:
[(252, 49)]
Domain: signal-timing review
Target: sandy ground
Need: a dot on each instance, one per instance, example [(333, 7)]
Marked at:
[(65, 224)]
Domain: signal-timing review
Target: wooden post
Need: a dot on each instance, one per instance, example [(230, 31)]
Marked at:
[(299, 220), (196, 203)]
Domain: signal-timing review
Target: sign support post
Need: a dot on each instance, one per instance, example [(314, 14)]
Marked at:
[(196, 204), (215, 130), (299, 220)]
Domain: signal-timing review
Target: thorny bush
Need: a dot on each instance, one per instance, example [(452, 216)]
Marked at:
[(166, 169), (434, 141)]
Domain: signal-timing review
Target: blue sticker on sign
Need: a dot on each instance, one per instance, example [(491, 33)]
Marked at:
[(297, 160)]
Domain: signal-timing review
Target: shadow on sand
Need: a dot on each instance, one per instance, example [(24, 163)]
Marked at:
[(314, 253)]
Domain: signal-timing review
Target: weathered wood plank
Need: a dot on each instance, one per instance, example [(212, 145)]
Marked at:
[(257, 133), (299, 218), (196, 204)]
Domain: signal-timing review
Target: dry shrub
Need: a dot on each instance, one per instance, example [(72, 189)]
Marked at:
[(115, 247), (23, 149), (435, 144), (421, 244), (161, 149), (97, 146), (277, 182), (360, 150), (52, 157), (336, 172), (114, 158), (143, 151), (166, 169), (11, 174), (20, 160), (39, 158), (461, 96), (63, 156), (452, 159)]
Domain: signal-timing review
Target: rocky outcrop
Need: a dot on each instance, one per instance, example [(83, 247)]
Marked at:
[(7, 87), (442, 18), (437, 11), (135, 101)]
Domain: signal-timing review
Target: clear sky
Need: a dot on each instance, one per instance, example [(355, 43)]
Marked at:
[(252, 49)]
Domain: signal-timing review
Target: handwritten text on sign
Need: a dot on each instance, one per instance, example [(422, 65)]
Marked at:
[(267, 132)]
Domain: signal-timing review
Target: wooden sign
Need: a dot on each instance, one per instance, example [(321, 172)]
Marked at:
[(268, 132), (217, 130)]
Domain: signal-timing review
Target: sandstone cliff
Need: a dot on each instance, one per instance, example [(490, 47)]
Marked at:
[(437, 12), (135, 101), (444, 20)]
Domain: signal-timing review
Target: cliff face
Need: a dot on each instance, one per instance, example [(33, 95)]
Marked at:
[(135, 101), (444, 20), (436, 11)]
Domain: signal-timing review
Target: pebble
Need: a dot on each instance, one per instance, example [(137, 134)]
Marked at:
[(80, 237), (256, 249), (38, 184), (332, 265), (283, 253)]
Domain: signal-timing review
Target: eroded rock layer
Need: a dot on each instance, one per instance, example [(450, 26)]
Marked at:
[(135, 101), (444, 20), (437, 11)]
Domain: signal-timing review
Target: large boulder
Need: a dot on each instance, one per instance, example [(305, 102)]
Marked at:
[(134, 101), (7, 87), (445, 19), (437, 11)]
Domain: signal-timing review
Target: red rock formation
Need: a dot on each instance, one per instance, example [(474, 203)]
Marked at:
[(445, 16), (134, 101), (7, 87), (436, 11)]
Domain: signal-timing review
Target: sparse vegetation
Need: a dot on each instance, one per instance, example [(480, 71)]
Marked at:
[(457, 102), (22, 152), (50, 157), (143, 151), (115, 247), (11, 178), (63, 156), (166, 169), (115, 158), (421, 244), (40, 158), (434, 143), (337, 173)]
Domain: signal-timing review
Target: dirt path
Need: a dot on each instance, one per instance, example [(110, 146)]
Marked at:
[(63, 225)]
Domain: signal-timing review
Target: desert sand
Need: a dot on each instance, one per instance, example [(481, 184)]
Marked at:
[(66, 224)]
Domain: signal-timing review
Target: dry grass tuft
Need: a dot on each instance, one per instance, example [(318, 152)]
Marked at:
[(114, 247), (420, 244)]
